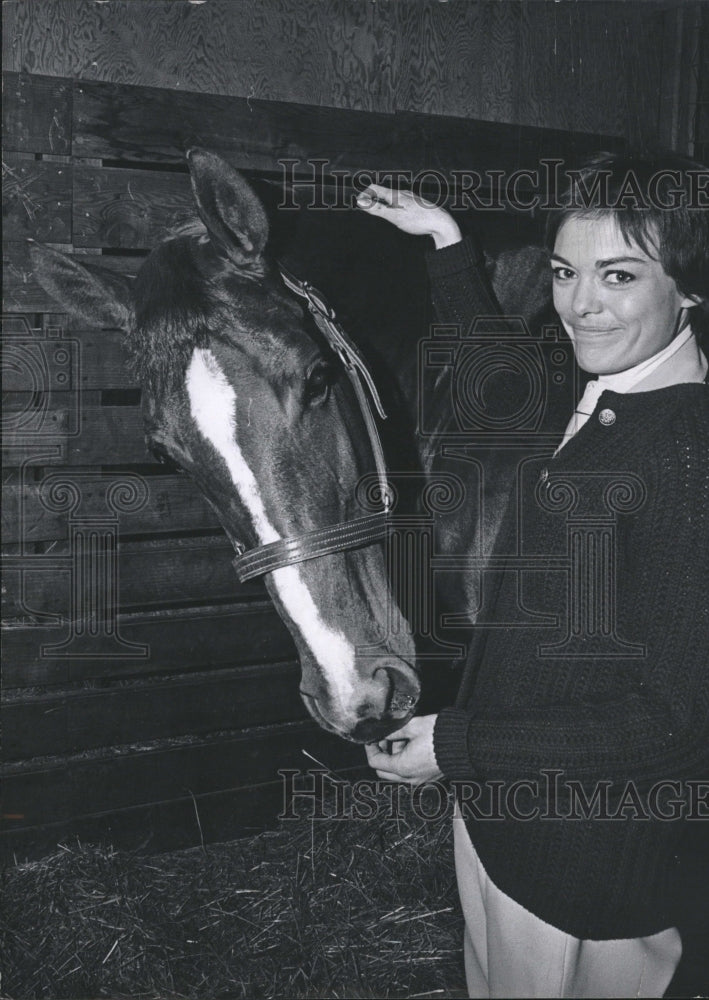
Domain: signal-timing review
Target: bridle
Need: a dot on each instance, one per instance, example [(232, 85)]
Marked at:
[(345, 535)]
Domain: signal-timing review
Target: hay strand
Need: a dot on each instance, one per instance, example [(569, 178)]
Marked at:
[(318, 908)]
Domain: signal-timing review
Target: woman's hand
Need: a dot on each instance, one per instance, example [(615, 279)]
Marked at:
[(410, 213), (411, 758)]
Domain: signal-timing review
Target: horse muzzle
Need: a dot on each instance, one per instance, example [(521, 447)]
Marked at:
[(384, 699)]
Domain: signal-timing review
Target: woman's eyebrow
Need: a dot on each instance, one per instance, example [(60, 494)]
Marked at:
[(621, 260), (605, 262)]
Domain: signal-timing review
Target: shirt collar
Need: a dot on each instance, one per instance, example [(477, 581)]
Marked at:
[(680, 361)]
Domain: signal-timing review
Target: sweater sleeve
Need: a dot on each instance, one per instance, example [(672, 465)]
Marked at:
[(460, 288), (658, 727)]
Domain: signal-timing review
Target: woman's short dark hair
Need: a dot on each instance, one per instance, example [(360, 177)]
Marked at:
[(660, 202)]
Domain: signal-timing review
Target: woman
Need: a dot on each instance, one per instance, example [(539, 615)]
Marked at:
[(573, 896)]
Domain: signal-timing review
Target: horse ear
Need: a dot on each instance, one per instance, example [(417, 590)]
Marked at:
[(230, 210), (89, 292)]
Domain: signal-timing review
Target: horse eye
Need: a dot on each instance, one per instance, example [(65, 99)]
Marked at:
[(318, 382)]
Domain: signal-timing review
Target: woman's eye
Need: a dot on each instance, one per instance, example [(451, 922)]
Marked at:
[(562, 273), (618, 277), (318, 382)]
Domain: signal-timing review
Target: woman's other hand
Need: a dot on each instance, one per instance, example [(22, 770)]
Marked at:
[(407, 755), (410, 213)]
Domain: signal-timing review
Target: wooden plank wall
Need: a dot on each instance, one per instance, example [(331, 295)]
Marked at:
[(592, 67)]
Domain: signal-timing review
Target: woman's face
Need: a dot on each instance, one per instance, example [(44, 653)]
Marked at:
[(617, 304)]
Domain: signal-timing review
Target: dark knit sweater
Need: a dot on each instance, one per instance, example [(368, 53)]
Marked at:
[(615, 724)]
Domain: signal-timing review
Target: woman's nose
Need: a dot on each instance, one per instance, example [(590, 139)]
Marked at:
[(586, 298)]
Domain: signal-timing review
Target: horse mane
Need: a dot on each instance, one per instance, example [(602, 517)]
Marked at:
[(180, 301)]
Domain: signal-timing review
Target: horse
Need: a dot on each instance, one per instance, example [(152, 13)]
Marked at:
[(243, 393)]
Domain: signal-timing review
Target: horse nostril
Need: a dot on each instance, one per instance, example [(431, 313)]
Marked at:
[(403, 694), (401, 704)]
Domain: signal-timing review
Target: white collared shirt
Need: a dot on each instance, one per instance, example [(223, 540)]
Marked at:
[(681, 360)]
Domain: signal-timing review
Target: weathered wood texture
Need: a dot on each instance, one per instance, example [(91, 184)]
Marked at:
[(128, 208), (173, 504), (177, 641), (102, 362), (154, 573), (679, 95), (99, 782), (159, 826), (257, 135), (36, 112), (80, 431), (587, 67), (320, 53), (252, 134), (92, 790), (36, 200), (166, 707)]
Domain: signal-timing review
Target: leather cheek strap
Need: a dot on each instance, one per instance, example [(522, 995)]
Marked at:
[(346, 534)]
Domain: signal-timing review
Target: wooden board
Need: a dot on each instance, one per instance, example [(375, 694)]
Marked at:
[(36, 200), (85, 785), (101, 361), (257, 135), (109, 122), (162, 826), (206, 702), (36, 114), (153, 574), (128, 208), (178, 641), (173, 504), (76, 432)]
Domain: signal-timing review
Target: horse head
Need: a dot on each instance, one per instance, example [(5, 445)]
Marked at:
[(239, 390)]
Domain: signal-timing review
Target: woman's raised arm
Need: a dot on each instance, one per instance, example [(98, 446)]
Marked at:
[(411, 214)]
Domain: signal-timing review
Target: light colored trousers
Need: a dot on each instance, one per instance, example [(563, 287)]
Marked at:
[(511, 953)]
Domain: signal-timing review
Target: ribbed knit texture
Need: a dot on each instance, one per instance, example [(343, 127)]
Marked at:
[(459, 285), (596, 718)]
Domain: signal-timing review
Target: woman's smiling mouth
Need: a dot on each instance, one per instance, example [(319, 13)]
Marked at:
[(593, 334), (595, 329)]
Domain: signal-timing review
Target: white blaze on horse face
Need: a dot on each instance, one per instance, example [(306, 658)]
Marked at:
[(213, 407)]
